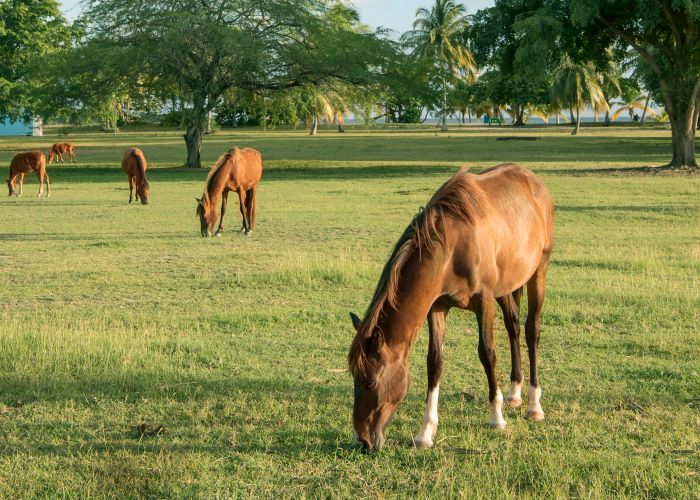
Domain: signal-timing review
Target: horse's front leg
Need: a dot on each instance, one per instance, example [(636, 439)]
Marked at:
[(48, 184), (224, 202), (21, 184), (131, 189), (487, 355), (436, 327)]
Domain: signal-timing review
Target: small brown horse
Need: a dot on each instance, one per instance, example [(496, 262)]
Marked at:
[(481, 237), (238, 170), (26, 162), (134, 165), (59, 148)]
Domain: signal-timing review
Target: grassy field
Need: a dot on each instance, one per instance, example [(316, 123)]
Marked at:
[(113, 315)]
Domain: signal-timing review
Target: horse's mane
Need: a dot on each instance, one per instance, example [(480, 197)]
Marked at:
[(459, 198), (216, 169)]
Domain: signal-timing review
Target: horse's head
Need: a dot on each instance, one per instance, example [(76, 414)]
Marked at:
[(381, 382), (143, 189), (207, 216)]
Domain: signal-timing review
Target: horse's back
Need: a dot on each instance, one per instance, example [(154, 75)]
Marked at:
[(512, 188), (247, 167), (28, 160), (513, 229), (130, 159)]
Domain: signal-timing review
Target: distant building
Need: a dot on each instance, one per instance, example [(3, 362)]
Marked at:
[(10, 128)]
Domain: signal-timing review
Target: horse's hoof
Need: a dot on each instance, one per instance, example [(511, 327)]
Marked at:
[(514, 403), (498, 426), (423, 445), (218, 234), (535, 416)]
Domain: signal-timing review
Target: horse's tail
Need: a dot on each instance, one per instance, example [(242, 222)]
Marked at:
[(140, 167), (42, 162)]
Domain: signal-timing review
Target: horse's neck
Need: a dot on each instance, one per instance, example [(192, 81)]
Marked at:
[(420, 284)]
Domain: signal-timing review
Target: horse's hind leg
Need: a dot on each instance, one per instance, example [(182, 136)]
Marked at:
[(487, 355), (436, 327), (224, 202), (40, 175), (48, 185), (535, 299), (11, 185), (20, 178), (131, 189), (244, 212), (510, 305), (250, 207)]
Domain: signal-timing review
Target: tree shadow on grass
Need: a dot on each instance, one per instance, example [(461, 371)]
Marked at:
[(75, 175), (262, 434)]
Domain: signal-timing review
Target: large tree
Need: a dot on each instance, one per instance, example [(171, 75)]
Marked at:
[(665, 34), (208, 47), (29, 31)]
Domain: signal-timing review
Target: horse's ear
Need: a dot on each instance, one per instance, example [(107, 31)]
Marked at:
[(198, 200), (355, 321)]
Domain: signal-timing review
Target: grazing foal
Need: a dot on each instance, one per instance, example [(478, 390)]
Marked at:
[(480, 239), (238, 170), (134, 165), (59, 148), (26, 162)]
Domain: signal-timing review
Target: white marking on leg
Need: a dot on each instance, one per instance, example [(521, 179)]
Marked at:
[(424, 438), (534, 408), (515, 397), (496, 421)]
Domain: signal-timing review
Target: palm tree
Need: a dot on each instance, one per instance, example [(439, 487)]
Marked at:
[(436, 35), (578, 85), (631, 103), (315, 102)]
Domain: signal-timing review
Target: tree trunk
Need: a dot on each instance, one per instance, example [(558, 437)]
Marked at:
[(644, 113), (607, 118), (314, 126), (469, 114), (444, 104), (578, 123), (683, 125), (193, 140)]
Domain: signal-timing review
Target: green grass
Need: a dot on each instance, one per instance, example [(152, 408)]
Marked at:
[(113, 315)]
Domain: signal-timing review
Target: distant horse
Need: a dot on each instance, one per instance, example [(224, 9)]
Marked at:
[(26, 162), (481, 237), (238, 170), (134, 165), (59, 148)]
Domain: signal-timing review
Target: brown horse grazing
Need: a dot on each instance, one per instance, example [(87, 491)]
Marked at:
[(26, 162), (134, 165), (238, 170), (59, 148), (481, 237)]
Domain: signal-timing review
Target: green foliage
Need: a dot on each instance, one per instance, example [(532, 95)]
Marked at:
[(30, 32)]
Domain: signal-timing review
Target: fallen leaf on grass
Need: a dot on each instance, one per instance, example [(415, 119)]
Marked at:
[(633, 406), (145, 430)]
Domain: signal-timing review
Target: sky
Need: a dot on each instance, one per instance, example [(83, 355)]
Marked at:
[(395, 14)]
